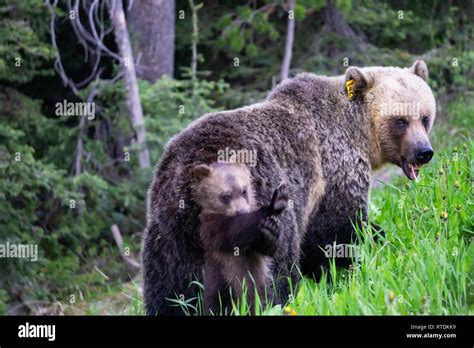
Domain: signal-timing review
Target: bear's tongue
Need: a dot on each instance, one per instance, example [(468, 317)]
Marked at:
[(413, 171)]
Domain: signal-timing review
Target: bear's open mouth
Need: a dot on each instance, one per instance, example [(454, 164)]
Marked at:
[(411, 170)]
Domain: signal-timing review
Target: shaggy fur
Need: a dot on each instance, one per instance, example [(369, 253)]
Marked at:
[(307, 134), (238, 238)]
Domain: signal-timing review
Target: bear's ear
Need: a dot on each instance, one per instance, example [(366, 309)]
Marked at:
[(201, 171), (420, 69), (357, 82)]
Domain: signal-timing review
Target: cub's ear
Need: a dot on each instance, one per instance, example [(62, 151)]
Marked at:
[(201, 171), (357, 82), (420, 69)]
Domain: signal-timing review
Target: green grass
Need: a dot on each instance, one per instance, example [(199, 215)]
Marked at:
[(424, 265)]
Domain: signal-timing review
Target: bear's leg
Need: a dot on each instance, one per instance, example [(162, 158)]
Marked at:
[(319, 247), (168, 270), (285, 282), (285, 270), (216, 291), (332, 225)]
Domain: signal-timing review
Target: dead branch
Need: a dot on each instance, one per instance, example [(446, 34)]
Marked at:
[(290, 34), (80, 142), (132, 264)]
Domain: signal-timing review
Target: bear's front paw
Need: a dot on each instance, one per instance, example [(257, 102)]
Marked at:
[(270, 233), (279, 200)]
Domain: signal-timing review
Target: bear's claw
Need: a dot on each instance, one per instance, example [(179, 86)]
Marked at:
[(279, 200), (270, 229)]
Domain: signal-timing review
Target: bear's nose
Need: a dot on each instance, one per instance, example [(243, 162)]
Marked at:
[(242, 211), (424, 155)]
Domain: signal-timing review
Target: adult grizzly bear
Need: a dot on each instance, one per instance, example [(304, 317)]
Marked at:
[(309, 134)]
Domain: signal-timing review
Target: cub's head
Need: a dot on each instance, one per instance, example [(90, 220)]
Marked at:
[(402, 110), (223, 188)]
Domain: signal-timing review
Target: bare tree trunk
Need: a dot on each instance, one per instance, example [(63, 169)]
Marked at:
[(152, 25), (334, 22), (194, 40), (133, 97), (290, 35)]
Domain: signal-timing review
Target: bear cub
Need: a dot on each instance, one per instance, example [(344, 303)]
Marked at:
[(238, 238)]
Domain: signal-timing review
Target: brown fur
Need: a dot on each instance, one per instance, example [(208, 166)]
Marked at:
[(223, 178), (237, 245), (307, 133)]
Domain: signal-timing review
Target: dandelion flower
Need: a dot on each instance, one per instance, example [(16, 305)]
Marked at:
[(443, 215)]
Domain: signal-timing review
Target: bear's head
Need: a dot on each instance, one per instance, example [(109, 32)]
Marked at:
[(402, 110), (223, 188)]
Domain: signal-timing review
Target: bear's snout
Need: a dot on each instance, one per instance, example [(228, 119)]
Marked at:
[(424, 155)]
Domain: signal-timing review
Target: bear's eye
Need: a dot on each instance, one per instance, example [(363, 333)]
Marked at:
[(244, 192), (401, 122), (225, 198), (425, 120)]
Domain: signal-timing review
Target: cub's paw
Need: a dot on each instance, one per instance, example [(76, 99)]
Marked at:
[(279, 200), (270, 233)]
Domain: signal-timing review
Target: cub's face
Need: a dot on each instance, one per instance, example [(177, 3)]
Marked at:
[(403, 110), (223, 188)]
